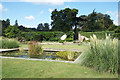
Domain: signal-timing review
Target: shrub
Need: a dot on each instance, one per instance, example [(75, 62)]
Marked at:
[(67, 55), (102, 54), (34, 49), (62, 54), (21, 51), (9, 43), (70, 55)]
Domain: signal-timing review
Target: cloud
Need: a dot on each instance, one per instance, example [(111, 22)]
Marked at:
[(50, 10), (58, 2), (118, 18), (111, 13), (67, 6), (53, 2), (114, 15), (2, 8), (5, 9), (29, 17)]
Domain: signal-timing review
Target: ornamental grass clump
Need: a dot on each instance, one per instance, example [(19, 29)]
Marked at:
[(102, 54), (8, 43), (35, 49)]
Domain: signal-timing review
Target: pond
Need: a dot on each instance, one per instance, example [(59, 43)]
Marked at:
[(61, 55)]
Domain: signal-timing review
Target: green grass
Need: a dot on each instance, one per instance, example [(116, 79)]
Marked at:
[(66, 47), (14, 68)]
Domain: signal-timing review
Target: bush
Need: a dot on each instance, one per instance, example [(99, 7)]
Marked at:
[(67, 55), (9, 43), (62, 54), (102, 55), (117, 32), (34, 49)]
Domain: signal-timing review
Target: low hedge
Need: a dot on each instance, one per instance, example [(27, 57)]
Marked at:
[(46, 36), (100, 35)]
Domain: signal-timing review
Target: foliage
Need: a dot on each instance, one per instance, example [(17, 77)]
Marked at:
[(63, 20), (62, 54), (112, 27), (34, 49), (43, 27), (9, 43), (12, 31), (21, 51), (102, 55), (70, 36), (96, 22), (46, 36), (117, 32), (100, 34), (67, 55), (5, 24), (70, 55)]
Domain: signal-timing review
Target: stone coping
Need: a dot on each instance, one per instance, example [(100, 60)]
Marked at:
[(75, 61), (45, 49), (37, 59)]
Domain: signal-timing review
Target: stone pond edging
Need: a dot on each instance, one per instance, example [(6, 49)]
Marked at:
[(16, 49)]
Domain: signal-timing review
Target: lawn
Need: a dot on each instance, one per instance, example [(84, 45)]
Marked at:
[(17, 68), (81, 47)]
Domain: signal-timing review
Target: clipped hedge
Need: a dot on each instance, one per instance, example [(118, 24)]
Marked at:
[(46, 36), (100, 35)]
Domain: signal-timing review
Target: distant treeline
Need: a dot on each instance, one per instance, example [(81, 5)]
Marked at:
[(65, 20)]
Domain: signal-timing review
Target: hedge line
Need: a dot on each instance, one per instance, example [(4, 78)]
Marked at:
[(100, 35), (46, 36)]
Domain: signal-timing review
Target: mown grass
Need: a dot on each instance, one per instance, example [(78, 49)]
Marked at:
[(67, 47), (17, 68), (81, 47)]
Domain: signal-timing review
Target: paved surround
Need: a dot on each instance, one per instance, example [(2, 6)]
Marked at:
[(55, 50), (37, 59), (46, 49)]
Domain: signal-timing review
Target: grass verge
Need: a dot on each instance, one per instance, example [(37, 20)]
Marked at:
[(14, 68)]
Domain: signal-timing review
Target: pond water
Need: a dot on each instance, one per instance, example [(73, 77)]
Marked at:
[(44, 55)]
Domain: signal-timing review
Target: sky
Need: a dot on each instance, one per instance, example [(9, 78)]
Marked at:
[(30, 14)]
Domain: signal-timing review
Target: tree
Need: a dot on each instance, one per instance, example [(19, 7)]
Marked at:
[(12, 31), (40, 27), (46, 26), (5, 24), (96, 22), (63, 20), (16, 23), (107, 21)]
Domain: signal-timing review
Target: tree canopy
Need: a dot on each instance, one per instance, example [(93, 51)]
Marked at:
[(63, 20)]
